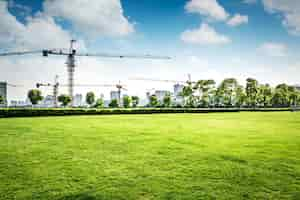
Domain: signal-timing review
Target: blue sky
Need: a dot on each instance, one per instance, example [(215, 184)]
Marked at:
[(206, 38)]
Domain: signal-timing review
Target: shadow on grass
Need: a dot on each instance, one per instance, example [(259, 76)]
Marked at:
[(81, 196)]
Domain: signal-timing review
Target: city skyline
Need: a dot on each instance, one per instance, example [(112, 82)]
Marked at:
[(209, 39)]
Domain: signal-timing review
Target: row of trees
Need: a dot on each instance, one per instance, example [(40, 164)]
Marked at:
[(35, 96), (204, 94)]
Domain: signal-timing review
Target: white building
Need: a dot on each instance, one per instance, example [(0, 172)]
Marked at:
[(78, 100), (178, 99), (48, 102), (17, 103)]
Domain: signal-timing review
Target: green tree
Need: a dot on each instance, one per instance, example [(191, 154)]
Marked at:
[(227, 90), (35, 96), (127, 101), (167, 101), (240, 96), (204, 88), (99, 103), (188, 95), (264, 95), (1, 99), (252, 92), (64, 99), (135, 101), (153, 101), (293, 95), (278, 98), (294, 98), (281, 96), (90, 98), (114, 103)]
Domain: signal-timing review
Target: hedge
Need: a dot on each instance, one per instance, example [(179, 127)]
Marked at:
[(36, 112)]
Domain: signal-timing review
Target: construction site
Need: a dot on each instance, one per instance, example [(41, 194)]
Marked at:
[(78, 100)]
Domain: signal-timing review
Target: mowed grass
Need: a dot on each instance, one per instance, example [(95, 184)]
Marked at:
[(167, 156)]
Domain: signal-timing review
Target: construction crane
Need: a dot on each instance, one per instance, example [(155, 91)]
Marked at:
[(71, 53), (56, 86), (164, 80)]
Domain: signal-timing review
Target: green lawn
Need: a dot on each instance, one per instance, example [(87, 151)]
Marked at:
[(167, 156)]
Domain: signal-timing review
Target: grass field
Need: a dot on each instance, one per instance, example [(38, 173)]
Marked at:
[(175, 156)]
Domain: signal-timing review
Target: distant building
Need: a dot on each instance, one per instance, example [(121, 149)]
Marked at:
[(106, 103), (78, 100), (28, 102), (114, 95), (297, 87), (47, 102), (178, 88), (178, 99), (160, 94), (3, 92), (16, 103)]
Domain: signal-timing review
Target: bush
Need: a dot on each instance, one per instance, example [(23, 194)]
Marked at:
[(31, 112)]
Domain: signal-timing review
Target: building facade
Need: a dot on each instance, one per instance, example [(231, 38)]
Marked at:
[(78, 100), (3, 92), (114, 95), (160, 94), (178, 98)]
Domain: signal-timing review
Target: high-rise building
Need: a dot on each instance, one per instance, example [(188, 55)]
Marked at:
[(178, 89), (114, 95), (78, 100), (160, 94), (178, 99), (3, 92)]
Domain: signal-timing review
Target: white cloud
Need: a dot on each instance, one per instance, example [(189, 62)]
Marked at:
[(237, 20), (93, 18), (208, 8), (39, 31), (96, 18), (204, 35), (273, 49), (290, 10)]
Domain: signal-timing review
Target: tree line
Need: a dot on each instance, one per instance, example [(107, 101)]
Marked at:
[(229, 93), (203, 94), (35, 96)]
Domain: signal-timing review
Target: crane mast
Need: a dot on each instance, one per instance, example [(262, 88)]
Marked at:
[(71, 61), (71, 70)]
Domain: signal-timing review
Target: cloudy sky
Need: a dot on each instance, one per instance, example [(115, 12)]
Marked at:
[(206, 38)]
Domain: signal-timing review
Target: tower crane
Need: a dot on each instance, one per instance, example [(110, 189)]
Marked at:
[(71, 54), (164, 80), (56, 86), (13, 85)]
